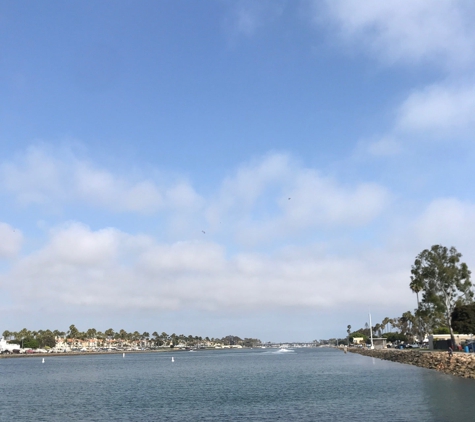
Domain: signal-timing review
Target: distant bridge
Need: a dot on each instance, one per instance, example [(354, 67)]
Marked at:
[(289, 344)]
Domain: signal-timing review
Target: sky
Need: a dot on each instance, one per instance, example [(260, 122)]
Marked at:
[(263, 168)]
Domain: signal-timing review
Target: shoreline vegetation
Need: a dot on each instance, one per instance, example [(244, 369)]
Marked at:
[(110, 341), (445, 306)]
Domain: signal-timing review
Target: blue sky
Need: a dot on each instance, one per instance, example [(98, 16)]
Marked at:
[(262, 168)]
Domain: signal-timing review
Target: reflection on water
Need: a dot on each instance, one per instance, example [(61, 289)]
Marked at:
[(304, 385)]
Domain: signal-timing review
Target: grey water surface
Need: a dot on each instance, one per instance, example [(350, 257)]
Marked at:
[(316, 384)]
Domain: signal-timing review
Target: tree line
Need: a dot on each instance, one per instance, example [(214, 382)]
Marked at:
[(444, 295), (47, 338)]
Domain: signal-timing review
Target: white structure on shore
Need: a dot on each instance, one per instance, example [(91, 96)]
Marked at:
[(4, 346)]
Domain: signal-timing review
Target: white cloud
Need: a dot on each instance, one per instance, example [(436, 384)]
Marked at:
[(76, 245), (437, 108), (105, 189), (413, 32), (108, 269), (275, 197), (11, 240), (407, 31), (43, 177), (35, 180), (246, 17), (448, 222)]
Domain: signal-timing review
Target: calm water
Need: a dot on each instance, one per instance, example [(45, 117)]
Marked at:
[(261, 385)]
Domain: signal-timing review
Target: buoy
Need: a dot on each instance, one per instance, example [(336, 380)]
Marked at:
[(123, 355), (43, 361), (173, 359)]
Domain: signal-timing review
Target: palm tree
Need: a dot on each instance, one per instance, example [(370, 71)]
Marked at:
[(22, 335), (348, 330), (145, 338), (110, 335), (416, 286), (73, 333)]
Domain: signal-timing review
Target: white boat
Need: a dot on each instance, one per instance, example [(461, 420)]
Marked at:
[(284, 350)]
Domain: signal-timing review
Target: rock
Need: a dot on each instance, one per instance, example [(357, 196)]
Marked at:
[(461, 365)]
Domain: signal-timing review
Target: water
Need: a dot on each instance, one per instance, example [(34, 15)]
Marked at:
[(260, 385)]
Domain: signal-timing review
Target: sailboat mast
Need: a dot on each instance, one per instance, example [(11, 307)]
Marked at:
[(371, 331)]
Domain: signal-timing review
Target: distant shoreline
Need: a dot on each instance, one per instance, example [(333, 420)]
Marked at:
[(114, 352)]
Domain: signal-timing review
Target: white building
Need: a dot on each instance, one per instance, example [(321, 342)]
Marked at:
[(4, 346)]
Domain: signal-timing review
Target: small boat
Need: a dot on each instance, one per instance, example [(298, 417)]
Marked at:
[(284, 350)]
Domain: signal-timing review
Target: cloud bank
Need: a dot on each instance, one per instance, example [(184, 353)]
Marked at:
[(42, 177), (245, 259)]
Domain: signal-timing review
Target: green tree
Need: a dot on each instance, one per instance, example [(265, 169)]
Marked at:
[(443, 280), (463, 319), (22, 335), (348, 330), (47, 340), (406, 324), (73, 334), (30, 343)]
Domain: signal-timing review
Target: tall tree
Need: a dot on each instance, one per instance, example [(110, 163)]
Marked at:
[(73, 334), (23, 335), (91, 333), (443, 280)]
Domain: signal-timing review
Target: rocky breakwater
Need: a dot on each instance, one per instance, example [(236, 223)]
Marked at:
[(459, 364)]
